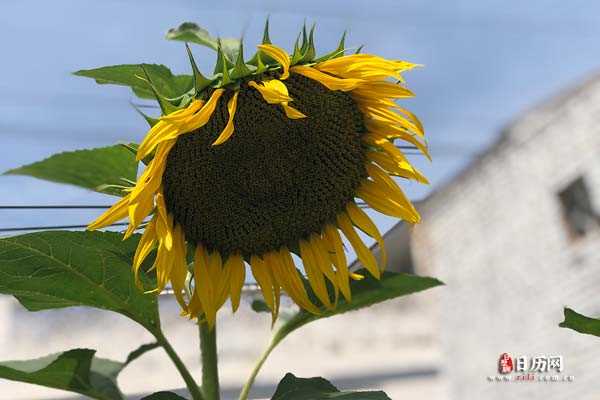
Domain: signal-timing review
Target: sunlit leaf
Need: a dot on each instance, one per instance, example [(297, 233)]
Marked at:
[(90, 168), (580, 323), (47, 270)]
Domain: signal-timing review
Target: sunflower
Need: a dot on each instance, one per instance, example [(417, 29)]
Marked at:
[(266, 161)]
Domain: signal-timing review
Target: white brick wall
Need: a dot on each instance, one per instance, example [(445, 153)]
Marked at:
[(496, 236)]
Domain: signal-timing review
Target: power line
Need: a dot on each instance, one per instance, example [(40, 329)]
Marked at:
[(51, 227)]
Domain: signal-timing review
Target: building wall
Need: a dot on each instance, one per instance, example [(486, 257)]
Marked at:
[(497, 237)]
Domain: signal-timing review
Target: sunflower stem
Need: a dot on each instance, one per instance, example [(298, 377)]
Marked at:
[(191, 384), (275, 339), (210, 371)]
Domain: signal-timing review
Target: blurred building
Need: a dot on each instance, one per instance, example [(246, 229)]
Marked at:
[(515, 237)]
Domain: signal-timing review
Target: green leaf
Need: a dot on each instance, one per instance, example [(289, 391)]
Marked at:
[(132, 75), (134, 355), (86, 168), (580, 323), (163, 396), (259, 306), (365, 293), (47, 270), (293, 388), (193, 33), (74, 370)]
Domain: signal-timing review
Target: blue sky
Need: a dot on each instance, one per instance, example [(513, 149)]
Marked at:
[(485, 62)]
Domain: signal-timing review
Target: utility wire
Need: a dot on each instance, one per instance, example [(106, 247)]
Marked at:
[(51, 227)]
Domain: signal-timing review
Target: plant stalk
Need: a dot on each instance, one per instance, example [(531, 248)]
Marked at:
[(275, 339), (210, 371), (191, 384)]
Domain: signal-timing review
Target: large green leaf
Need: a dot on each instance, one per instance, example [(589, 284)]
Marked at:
[(580, 323), (74, 370), (293, 388), (365, 293), (134, 76), (86, 168), (193, 33), (47, 270)]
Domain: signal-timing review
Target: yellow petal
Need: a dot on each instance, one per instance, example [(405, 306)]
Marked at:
[(235, 263), (314, 274), (266, 284), (378, 199), (364, 254), (338, 256), (383, 180), (184, 114), (179, 272), (363, 222), (330, 82), (382, 89), (145, 245), (395, 167), (150, 180), (166, 130), (204, 285), (291, 112), (279, 55), (117, 212), (273, 91), (228, 130), (289, 278)]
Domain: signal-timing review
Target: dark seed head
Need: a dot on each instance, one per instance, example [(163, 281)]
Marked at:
[(276, 180)]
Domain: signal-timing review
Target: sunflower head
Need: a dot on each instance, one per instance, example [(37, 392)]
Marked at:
[(264, 160)]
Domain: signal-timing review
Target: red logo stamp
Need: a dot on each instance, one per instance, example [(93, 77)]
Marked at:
[(505, 364)]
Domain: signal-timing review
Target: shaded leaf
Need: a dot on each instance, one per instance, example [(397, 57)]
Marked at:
[(259, 306), (90, 168), (163, 396), (134, 355), (56, 269), (74, 370), (580, 323), (132, 75), (193, 33), (293, 388)]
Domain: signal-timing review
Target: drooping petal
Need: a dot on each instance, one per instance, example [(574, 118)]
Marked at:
[(279, 55), (330, 82), (361, 220), (117, 212), (364, 254), (235, 263), (228, 130), (338, 256), (314, 274), (265, 282), (273, 91)]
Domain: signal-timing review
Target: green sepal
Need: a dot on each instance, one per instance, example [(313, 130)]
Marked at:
[(297, 55), (241, 69), (309, 52), (260, 65), (151, 121), (266, 39), (200, 81), (359, 49), (304, 45), (222, 67), (165, 105), (338, 52)]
